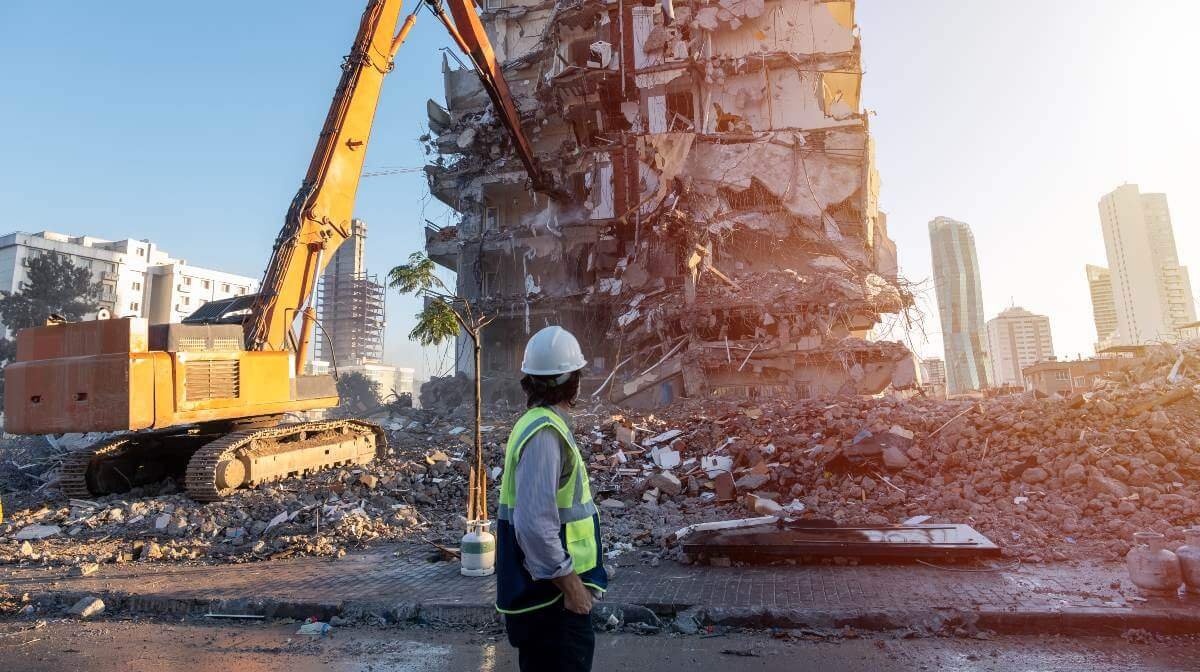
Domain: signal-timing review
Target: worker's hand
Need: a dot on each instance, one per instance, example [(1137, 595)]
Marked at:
[(576, 597), (579, 601)]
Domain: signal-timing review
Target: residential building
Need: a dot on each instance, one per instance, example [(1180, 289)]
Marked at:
[(1016, 339), (933, 376), (720, 233), (1104, 309), (178, 289), (136, 277), (1066, 378), (960, 305), (1152, 293)]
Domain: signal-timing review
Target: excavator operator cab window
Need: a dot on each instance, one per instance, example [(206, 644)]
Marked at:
[(233, 310)]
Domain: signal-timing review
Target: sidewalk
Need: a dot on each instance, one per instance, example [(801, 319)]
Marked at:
[(1029, 598)]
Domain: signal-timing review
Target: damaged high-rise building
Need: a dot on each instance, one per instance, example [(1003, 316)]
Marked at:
[(721, 232)]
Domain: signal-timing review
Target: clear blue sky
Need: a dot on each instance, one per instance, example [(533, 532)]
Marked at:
[(192, 124)]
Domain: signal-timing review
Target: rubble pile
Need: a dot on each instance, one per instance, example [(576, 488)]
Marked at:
[(415, 493), (1046, 479)]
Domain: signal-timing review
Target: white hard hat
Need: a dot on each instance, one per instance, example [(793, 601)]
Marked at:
[(552, 351)]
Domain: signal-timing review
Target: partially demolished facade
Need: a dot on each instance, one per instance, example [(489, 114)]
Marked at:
[(721, 234)]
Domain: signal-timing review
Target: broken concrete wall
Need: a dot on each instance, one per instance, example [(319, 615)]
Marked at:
[(723, 233)]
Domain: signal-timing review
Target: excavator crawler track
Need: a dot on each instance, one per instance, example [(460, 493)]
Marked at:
[(73, 476), (255, 456), (126, 461)]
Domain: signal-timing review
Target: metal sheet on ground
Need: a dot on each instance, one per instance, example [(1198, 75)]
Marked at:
[(775, 543)]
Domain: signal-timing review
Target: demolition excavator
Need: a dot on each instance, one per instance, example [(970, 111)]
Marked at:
[(206, 399)]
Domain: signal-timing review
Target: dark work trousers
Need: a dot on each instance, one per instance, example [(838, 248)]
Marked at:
[(552, 639)]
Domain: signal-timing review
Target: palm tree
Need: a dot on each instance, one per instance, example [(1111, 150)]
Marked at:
[(444, 315)]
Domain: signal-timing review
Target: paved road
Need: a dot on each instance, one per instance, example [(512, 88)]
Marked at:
[(188, 646), (383, 577)]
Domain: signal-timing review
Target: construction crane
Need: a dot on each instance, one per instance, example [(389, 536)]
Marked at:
[(205, 399)]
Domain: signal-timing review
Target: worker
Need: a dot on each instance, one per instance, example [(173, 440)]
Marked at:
[(548, 553)]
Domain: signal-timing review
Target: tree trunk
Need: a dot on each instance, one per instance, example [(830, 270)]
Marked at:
[(481, 479)]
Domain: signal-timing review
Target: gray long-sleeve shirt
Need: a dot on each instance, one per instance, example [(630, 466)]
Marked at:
[(543, 468)]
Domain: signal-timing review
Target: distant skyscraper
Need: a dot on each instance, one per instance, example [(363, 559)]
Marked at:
[(960, 304), (933, 373), (1104, 310), (1017, 338), (1152, 294)]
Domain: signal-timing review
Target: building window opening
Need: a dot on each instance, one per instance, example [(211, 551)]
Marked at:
[(681, 111)]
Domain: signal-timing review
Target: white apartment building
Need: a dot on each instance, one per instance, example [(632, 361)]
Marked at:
[(1017, 338), (1104, 309), (137, 278), (180, 288), (1152, 294)]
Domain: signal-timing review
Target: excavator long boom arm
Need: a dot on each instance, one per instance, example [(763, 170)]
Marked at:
[(318, 219)]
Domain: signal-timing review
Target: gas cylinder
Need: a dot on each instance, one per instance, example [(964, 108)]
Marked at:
[(478, 550), (1153, 568), (1189, 559)]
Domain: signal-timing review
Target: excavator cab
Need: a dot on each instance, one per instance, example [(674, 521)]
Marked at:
[(234, 310)]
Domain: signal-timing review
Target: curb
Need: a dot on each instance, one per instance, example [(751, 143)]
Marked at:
[(1103, 621)]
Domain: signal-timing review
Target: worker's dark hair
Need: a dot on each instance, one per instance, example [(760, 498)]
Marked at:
[(546, 391)]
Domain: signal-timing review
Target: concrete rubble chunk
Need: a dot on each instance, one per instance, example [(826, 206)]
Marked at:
[(751, 481), (716, 464), (85, 569), (1099, 483), (1076, 473), (665, 457), (688, 621), (894, 458), (87, 607), (664, 437), (1035, 475), (667, 482), (36, 532), (152, 551)]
